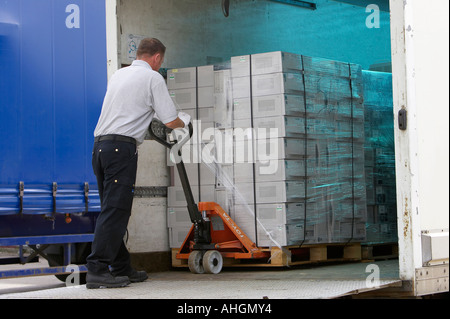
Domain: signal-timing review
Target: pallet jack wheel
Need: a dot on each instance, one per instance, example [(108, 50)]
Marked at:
[(195, 262), (212, 262)]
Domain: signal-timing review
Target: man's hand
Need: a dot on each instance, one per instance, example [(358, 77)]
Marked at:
[(186, 118), (181, 121)]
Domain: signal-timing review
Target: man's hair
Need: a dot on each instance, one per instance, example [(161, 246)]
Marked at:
[(150, 46)]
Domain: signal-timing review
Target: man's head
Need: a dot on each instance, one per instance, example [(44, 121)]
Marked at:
[(152, 51)]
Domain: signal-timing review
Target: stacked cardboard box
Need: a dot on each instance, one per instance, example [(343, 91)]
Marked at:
[(196, 91), (308, 181), (380, 158), (182, 85), (288, 148), (270, 182)]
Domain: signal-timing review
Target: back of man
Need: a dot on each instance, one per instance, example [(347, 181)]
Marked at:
[(129, 103), (134, 95)]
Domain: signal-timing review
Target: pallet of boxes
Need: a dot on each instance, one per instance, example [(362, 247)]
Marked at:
[(281, 149)]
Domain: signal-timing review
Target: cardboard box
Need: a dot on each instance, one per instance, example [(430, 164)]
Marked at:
[(244, 151), (280, 192), (223, 147), (276, 83), (190, 152), (278, 105), (178, 217), (240, 87), (183, 78), (279, 126), (280, 213), (240, 66), (176, 197), (281, 148), (223, 112), (244, 217), (244, 213), (225, 198), (206, 132), (351, 229), (242, 110), (348, 209), (243, 172), (205, 96), (272, 235), (206, 114), (207, 174), (184, 98), (243, 193), (273, 62), (205, 75), (207, 193), (177, 235), (279, 170), (192, 174), (224, 176)]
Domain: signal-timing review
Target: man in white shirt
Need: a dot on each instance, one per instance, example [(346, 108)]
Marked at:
[(134, 95)]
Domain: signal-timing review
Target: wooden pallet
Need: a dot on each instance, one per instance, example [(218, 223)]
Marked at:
[(292, 255), (307, 254), (379, 251)]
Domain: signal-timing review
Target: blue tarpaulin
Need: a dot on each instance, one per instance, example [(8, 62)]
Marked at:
[(52, 82)]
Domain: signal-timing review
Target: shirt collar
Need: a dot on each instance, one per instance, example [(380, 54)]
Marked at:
[(141, 63)]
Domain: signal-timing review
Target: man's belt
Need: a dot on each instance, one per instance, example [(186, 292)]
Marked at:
[(115, 137)]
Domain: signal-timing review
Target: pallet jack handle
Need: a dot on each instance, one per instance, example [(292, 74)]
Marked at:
[(163, 135)]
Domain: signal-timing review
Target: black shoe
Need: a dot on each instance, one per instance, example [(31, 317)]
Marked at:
[(137, 276), (106, 280), (133, 275)]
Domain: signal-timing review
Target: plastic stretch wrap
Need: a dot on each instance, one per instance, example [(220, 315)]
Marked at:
[(286, 148), (380, 158)]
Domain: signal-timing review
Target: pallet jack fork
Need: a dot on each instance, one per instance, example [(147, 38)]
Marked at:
[(213, 235)]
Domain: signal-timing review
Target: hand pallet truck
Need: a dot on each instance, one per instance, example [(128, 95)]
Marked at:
[(213, 235)]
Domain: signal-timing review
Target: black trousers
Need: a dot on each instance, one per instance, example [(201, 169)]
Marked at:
[(115, 165)]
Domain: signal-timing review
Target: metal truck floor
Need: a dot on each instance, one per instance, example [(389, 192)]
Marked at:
[(313, 282)]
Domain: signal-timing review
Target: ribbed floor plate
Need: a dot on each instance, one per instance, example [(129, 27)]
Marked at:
[(272, 289), (328, 281)]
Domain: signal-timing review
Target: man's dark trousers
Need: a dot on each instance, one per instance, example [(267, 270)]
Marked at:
[(115, 163)]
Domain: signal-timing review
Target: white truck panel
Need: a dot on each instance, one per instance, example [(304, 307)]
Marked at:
[(431, 69), (419, 39)]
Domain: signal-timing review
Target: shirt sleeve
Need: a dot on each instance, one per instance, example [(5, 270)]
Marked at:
[(162, 102)]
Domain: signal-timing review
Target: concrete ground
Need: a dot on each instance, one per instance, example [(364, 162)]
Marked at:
[(324, 281)]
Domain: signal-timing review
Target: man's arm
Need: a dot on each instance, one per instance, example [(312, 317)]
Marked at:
[(182, 120), (177, 123), (165, 108)]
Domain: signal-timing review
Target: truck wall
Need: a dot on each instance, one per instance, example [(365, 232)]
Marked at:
[(196, 33), (431, 56), (419, 34), (53, 79)]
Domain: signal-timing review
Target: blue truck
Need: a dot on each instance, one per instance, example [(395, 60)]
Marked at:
[(52, 82)]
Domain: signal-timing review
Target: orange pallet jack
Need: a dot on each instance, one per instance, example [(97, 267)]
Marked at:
[(213, 235)]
